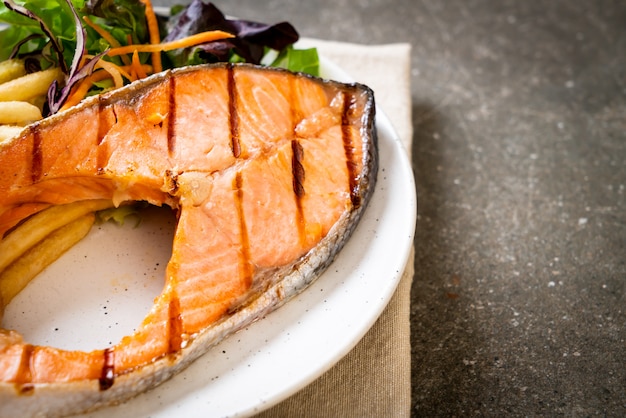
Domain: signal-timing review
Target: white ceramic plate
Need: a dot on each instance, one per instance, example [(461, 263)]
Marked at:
[(104, 286)]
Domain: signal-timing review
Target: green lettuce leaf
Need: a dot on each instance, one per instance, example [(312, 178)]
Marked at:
[(300, 60), (57, 19)]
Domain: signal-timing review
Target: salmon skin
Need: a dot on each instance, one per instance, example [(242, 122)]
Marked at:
[(268, 171)]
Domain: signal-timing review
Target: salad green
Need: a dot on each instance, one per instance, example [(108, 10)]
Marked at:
[(69, 34)]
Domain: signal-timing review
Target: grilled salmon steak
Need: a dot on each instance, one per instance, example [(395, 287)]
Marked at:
[(268, 172)]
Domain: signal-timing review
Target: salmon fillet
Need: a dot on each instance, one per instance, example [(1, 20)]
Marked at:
[(268, 171)]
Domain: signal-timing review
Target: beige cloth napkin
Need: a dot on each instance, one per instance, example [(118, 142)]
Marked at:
[(374, 379)]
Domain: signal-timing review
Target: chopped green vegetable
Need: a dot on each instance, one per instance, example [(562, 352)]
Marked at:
[(120, 214)]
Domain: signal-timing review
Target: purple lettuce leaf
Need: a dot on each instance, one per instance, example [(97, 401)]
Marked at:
[(56, 96), (251, 37)]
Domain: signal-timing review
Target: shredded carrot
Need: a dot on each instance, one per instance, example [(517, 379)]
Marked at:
[(106, 36), (116, 72), (136, 69), (153, 32), (192, 40), (80, 91)]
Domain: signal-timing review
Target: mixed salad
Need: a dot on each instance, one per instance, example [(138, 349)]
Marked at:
[(102, 44)]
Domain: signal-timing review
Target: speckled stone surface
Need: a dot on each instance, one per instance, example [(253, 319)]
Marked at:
[(519, 111)]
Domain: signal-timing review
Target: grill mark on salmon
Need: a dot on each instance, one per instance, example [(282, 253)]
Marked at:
[(24, 375), (233, 117), (348, 146), (26, 389), (245, 268), (175, 322), (107, 376), (171, 115), (297, 152), (103, 128), (36, 166), (103, 123), (253, 230), (297, 170)]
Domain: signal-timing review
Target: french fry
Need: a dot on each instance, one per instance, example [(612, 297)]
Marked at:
[(18, 113), (10, 69), (9, 131), (17, 275), (40, 225), (30, 85)]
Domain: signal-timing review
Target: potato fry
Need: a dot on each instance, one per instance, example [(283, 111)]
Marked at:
[(30, 85), (18, 113), (11, 69), (9, 131), (40, 225), (16, 276)]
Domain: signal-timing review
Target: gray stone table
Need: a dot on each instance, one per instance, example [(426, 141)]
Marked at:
[(519, 117)]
